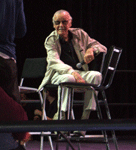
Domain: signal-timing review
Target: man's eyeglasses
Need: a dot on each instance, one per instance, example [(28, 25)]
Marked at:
[(64, 22)]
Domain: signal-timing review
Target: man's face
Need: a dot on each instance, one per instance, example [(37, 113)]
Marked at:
[(62, 23)]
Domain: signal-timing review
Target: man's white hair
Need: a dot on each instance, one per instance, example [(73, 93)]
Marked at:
[(60, 11)]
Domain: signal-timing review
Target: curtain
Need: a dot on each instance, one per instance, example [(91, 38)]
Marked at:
[(109, 22)]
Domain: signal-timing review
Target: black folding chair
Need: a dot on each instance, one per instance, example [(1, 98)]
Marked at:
[(35, 68), (108, 71)]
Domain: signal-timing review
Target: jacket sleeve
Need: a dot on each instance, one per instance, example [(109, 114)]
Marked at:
[(21, 28), (90, 42)]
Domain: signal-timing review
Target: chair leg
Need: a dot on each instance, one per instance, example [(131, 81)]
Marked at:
[(60, 102), (104, 133), (114, 139), (51, 144), (109, 117), (79, 146), (70, 103), (44, 117), (41, 142), (99, 114), (59, 117), (72, 114)]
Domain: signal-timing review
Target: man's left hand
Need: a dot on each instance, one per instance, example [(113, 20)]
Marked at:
[(89, 55)]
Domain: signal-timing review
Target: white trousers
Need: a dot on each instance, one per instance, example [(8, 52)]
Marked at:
[(93, 77)]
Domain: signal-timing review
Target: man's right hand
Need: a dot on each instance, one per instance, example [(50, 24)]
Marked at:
[(78, 78)]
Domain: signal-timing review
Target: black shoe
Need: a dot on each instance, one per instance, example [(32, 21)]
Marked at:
[(79, 133)]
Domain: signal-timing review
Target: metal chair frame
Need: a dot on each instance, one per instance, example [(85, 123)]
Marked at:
[(108, 70)]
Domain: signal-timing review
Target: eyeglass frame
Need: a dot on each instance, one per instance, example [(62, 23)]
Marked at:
[(64, 22)]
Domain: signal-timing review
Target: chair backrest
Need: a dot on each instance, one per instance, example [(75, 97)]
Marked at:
[(110, 65), (34, 68), (96, 64)]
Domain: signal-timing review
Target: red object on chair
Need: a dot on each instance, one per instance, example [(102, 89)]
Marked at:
[(10, 110)]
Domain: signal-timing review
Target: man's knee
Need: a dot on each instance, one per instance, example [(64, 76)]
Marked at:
[(98, 78), (94, 77)]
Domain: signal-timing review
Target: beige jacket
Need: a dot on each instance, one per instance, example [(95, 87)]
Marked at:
[(81, 42)]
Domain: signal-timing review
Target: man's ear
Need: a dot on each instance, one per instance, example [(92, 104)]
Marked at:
[(53, 26), (71, 24)]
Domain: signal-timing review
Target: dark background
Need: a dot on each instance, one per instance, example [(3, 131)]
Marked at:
[(109, 22)]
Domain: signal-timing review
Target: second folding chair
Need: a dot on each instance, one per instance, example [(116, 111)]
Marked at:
[(34, 69)]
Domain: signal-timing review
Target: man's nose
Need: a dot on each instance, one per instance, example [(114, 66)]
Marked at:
[(61, 23)]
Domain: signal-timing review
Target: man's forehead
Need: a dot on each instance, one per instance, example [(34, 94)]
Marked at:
[(62, 16)]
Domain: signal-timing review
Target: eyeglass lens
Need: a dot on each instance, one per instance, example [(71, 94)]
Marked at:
[(63, 22)]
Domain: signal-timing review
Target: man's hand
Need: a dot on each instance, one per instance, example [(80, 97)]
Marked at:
[(26, 139), (89, 55), (78, 78)]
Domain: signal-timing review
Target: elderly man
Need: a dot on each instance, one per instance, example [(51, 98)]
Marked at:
[(66, 47)]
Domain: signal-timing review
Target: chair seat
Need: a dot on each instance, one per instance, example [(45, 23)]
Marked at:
[(81, 86), (51, 86), (24, 89), (40, 133), (31, 101)]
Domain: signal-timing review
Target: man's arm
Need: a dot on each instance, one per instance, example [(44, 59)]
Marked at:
[(20, 28)]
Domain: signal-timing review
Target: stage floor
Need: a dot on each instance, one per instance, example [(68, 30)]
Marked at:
[(124, 143)]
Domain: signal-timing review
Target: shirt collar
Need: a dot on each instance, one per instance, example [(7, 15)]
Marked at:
[(70, 37)]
